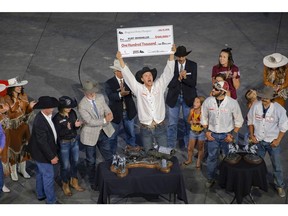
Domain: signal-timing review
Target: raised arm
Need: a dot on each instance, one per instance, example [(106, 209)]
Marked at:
[(168, 72), (127, 74), (173, 49), (119, 57)]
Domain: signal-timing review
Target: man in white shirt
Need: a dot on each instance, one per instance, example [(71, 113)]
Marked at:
[(221, 118), (268, 122), (150, 99)]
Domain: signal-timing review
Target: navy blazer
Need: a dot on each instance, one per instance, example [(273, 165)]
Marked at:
[(188, 85), (112, 89), (42, 145)]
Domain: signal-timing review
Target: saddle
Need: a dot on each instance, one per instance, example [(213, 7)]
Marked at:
[(253, 159), (232, 158)]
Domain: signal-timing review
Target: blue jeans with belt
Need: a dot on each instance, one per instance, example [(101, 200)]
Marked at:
[(45, 182), (157, 135), (69, 155), (128, 126), (274, 153), (173, 116), (214, 152)]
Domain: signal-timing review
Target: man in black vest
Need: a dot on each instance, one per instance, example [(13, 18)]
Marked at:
[(181, 93), (122, 106)]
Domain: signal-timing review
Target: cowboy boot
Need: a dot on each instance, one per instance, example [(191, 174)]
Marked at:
[(14, 175), (5, 189), (22, 170), (74, 183), (66, 189)]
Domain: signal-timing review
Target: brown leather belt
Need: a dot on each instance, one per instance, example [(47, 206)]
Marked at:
[(153, 125)]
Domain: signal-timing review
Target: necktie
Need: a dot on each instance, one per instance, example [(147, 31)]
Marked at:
[(121, 87), (95, 108), (121, 83), (181, 68)]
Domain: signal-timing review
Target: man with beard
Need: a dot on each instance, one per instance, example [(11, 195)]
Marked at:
[(267, 121), (221, 118), (150, 99)]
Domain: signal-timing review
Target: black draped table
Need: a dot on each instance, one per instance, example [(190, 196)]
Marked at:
[(239, 178), (140, 181)]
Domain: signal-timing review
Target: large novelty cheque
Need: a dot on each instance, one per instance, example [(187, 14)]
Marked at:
[(145, 41)]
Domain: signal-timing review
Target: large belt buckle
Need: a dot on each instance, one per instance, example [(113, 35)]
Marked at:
[(153, 125)]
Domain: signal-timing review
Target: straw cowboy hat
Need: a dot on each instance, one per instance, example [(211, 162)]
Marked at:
[(275, 60), (89, 87), (139, 73), (46, 102), (181, 51), (14, 82), (67, 102), (2, 87), (116, 65), (267, 92)]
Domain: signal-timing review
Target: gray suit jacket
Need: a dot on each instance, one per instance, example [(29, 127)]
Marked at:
[(92, 125)]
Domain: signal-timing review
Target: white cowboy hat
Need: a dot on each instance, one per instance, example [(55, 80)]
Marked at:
[(16, 82), (2, 87), (275, 60), (116, 65)]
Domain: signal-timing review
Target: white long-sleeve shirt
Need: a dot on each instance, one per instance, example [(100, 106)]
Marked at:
[(221, 119), (150, 104), (267, 129)]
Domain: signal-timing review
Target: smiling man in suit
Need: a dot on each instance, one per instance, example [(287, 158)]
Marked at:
[(123, 107), (43, 149), (96, 128)]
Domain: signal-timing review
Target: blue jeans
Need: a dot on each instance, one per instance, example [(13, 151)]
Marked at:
[(158, 135), (173, 116), (274, 154), (45, 182), (214, 151), (1, 176), (128, 126), (194, 136), (69, 155), (104, 148)]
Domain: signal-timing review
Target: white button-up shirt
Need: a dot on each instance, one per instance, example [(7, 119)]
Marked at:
[(267, 129), (150, 104), (49, 119), (221, 119)]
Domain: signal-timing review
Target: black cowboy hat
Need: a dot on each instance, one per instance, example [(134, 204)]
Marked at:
[(46, 102), (139, 73), (67, 102), (181, 51)]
